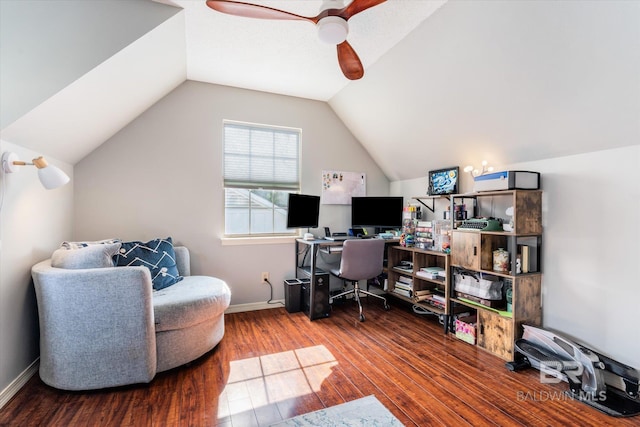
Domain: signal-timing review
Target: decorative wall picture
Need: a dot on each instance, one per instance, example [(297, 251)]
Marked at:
[(443, 181), (338, 187)]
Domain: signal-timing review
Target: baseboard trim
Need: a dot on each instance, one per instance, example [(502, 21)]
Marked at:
[(239, 308), (18, 383)]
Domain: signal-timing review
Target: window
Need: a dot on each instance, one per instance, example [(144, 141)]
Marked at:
[(261, 166)]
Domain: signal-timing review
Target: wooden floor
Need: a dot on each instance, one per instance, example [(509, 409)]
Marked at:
[(272, 365)]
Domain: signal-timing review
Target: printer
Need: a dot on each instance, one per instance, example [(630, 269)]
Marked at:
[(507, 180)]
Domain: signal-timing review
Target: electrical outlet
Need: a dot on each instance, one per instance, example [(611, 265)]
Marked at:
[(265, 276)]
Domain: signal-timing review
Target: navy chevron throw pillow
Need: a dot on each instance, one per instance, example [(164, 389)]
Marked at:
[(157, 255)]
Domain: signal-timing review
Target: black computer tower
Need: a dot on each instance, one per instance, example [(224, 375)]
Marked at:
[(315, 297)]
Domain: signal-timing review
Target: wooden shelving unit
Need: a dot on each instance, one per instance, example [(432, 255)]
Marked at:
[(472, 250), (406, 281)]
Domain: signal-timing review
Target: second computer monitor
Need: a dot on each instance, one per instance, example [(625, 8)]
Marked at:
[(383, 213), (303, 211)]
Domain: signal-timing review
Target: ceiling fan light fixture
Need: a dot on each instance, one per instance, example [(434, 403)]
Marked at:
[(331, 22), (333, 30)]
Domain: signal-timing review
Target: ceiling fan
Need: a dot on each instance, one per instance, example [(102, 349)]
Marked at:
[(331, 22)]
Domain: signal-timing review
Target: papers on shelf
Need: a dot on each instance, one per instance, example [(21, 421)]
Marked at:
[(403, 286), (405, 279), (402, 292), (433, 273)]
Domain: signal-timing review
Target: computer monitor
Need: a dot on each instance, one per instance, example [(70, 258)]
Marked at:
[(303, 211), (379, 212)]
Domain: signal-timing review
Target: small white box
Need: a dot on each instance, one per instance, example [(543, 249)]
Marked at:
[(507, 180)]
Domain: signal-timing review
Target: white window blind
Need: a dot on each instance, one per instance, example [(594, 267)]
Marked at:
[(261, 157)]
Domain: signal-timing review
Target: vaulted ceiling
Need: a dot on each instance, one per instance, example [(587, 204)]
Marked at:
[(446, 83), (287, 57)]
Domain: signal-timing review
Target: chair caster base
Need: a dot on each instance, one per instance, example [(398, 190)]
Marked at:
[(386, 307), (362, 317)]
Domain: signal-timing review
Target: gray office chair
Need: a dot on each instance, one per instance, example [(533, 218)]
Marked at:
[(362, 259)]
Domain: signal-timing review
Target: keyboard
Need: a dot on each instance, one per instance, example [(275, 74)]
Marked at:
[(338, 238)]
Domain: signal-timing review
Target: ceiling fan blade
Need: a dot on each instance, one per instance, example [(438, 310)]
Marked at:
[(357, 6), (249, 10), (349, 62)]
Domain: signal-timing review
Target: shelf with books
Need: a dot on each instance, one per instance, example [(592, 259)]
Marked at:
[(476, 250), (420, 277), (435, 274)]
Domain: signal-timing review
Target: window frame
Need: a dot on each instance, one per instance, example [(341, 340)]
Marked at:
[(246, 184)]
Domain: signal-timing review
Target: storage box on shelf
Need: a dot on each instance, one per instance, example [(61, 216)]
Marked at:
[(517, 266), (486, 290), (434, 226), (465, 328)]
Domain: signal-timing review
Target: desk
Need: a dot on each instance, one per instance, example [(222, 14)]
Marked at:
[(315, 293), (315, 299), (312, 248)]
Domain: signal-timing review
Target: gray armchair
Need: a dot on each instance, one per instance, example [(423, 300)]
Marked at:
[(107, 327)]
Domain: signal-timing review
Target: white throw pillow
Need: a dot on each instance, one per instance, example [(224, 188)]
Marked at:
[(80, 245), (92, 256)]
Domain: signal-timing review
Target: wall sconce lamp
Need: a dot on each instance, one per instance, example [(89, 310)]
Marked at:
[(476, 172), (50, 176)]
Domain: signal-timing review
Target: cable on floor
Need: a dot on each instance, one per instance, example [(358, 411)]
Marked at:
[(421, 310), (271, 301)]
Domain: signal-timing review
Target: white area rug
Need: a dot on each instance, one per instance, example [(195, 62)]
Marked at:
[(365, 412)]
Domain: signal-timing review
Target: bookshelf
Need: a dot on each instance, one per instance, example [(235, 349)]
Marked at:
[(420, 277), (473, 251)]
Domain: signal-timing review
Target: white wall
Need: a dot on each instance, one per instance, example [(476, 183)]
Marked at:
[(505, 80), (47, 45), (33, 222), (162, 176), (591, 247)]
